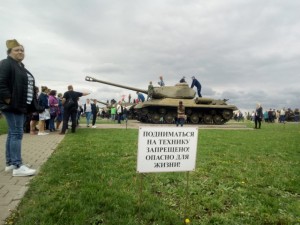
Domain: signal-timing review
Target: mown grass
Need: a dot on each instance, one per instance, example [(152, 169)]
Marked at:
[(99, 120), (242, 177), (3, 125)]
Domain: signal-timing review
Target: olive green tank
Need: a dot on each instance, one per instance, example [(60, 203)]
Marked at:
[(162, 108), (104, 103), (129, 106)]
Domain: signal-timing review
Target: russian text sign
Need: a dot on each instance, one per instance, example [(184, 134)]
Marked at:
[(167, 149)]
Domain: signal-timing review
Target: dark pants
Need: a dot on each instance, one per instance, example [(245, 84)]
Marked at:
[(51, 123), (281, 118), (47, 124), (94, 119), (179, 121), (199, 92), (257, 120), (67, 114), (119, 117)]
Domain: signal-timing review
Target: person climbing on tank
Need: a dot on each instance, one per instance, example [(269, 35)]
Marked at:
[(197, 84), (182, 80), (141, 97), (150, 90), (161, 81)]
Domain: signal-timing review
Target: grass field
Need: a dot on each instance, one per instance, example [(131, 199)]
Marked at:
[(242, 177), (3, 125)]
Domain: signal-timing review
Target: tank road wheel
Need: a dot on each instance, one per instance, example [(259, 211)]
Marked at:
[(144, 111), (194, 118), (155, 117), (162, 111), (188, 111), (227, 114), (143, 119), (218, 119), (207, 118), (169, 118)]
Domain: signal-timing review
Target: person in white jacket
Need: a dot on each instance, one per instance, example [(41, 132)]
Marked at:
[(119, 111)]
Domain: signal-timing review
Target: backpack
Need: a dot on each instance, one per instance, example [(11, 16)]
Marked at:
[(69, 104)]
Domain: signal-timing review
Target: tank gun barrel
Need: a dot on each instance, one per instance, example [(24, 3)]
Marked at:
[(91, 79), (104, 103)]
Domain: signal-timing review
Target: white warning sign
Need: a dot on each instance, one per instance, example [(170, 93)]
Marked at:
[(167, 149)]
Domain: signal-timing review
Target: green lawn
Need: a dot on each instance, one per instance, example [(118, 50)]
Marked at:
[(242, 177), (3, 125)]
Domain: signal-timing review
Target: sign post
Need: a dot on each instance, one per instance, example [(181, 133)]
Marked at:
[(167, 149)]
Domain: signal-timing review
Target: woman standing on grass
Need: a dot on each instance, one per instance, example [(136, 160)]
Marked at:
[(94, 113), (16, 95), (87, 109), (258, 116), (53, 104), (59, 117)]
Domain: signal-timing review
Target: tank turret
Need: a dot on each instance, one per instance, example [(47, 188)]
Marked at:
[(127, 105), (179, 91), (162, 108)]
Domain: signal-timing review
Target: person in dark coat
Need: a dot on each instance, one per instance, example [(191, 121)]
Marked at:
[(17, 93), (182, 80), (70, 112), (258, 116), (94, 113), (197, 84)]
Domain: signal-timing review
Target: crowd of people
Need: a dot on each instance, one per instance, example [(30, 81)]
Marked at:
[(270, 116)]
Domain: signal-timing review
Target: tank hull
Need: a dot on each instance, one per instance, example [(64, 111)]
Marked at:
[(198, 111)]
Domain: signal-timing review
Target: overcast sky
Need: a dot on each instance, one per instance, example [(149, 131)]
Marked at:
[(247, 51)]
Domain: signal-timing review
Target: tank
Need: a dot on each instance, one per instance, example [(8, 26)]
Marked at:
[(129, 106), (105, 113), (162, 108)]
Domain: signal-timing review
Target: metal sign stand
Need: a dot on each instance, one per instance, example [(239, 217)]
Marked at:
[(140, 197), (186, 197), (153, 138)]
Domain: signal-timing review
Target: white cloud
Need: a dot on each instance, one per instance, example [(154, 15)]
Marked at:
[(247, 51)]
